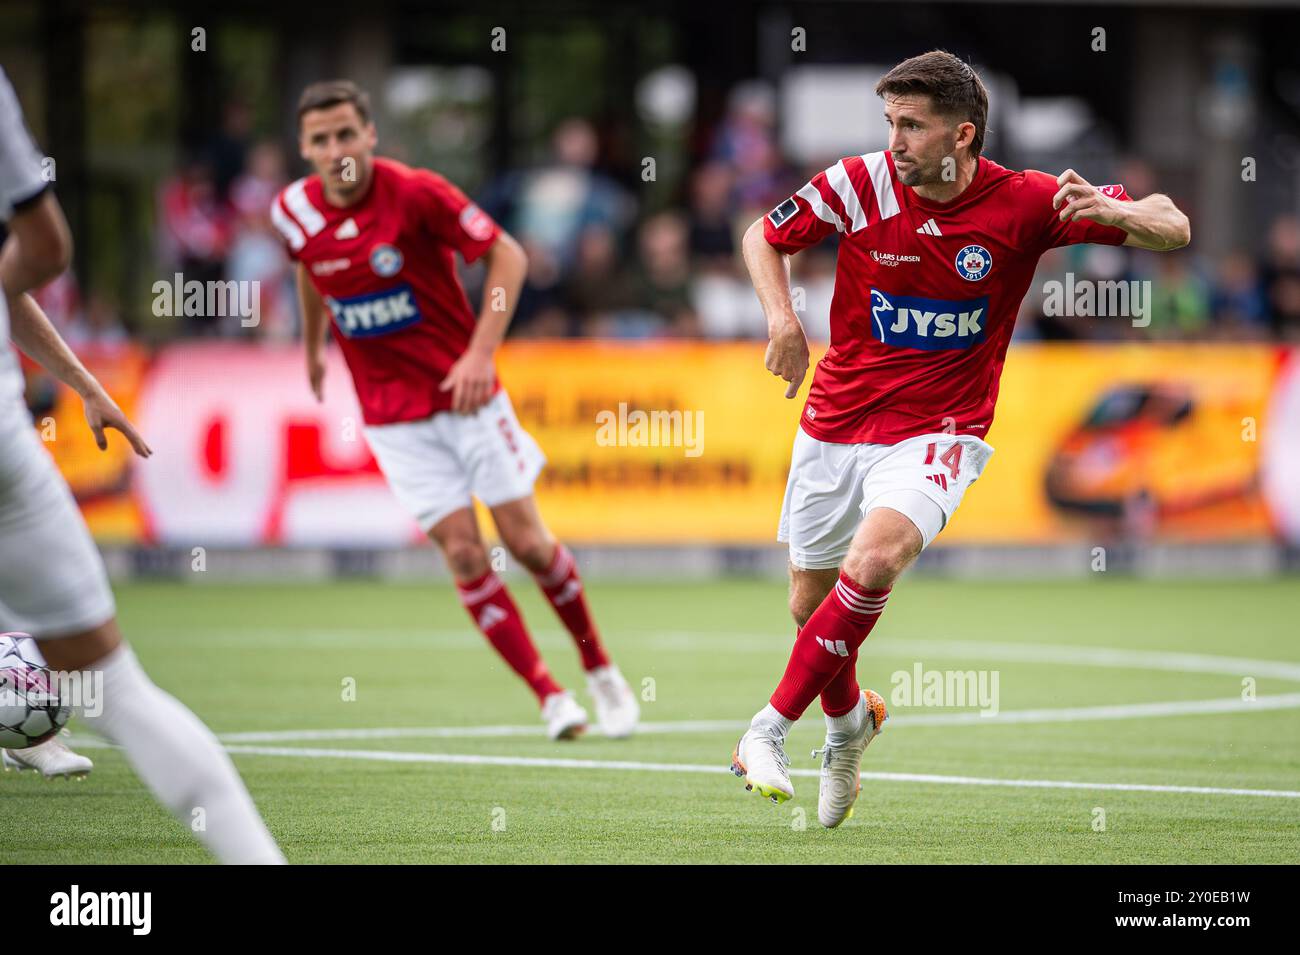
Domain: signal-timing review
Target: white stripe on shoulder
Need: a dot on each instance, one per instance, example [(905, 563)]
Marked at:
[(295, 197), (838, 177), (881, 184), (819, 207), (288, 228)]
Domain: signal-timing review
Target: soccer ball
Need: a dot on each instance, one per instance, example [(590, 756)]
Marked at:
[(30, 709)]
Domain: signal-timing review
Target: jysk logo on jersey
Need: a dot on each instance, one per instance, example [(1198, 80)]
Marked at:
[(385, 261), (974, 262), (783, 212), (378, 313), (927, 323)]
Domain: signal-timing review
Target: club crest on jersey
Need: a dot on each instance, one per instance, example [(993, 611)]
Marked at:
[(973, 263), (929, 324), (385, 261), (377, 313)]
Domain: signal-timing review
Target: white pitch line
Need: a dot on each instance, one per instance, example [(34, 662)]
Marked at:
[(1119, 711), (533, 762), (1071, 714)]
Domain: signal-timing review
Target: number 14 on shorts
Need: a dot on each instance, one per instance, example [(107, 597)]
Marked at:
[(951, 459)]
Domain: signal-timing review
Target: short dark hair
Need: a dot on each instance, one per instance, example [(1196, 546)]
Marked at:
[(952, 85), (329, 93)]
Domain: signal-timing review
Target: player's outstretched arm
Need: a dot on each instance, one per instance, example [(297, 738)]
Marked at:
[(769, 270), (471, 378), (1153, 223), (32, 331)]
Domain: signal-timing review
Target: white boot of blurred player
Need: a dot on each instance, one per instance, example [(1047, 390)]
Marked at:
[(564, 718), (181, 762), (51, 759), (617, 710)]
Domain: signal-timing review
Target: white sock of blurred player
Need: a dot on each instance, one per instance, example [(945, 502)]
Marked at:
[(52, 577), (181, 762)]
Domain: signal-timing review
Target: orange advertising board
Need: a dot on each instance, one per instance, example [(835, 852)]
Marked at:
[(677, 443)]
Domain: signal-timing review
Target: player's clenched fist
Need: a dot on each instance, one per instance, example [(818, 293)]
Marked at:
[(787, 356), (1079, 199)]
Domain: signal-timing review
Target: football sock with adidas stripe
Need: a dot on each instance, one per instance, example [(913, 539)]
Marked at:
[(826, 644), (842, 694), (563, 588), (493, 609), (181, 762)]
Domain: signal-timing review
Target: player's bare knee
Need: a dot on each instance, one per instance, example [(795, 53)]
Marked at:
[(801, 608), (466, 557), (877, 567), (81, 650), (533, 549), (808, 588)]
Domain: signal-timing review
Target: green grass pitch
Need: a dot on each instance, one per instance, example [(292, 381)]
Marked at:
[(278, 659)]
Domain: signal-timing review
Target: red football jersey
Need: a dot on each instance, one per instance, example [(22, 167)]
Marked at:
[(386, 269), (926, 293)]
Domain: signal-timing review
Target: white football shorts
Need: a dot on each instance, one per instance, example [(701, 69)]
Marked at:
[(440, 464), (833, 486), (52, 578)]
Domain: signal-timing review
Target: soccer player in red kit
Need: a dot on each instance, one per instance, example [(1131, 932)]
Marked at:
[(938, 246), (375, 242)]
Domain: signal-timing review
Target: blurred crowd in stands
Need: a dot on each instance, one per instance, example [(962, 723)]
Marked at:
[(601, 265)]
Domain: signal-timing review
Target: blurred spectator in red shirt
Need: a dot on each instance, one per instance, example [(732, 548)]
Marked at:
[(194, 233)]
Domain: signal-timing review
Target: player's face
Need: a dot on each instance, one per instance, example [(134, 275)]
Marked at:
[(919, 138), (339, 146)]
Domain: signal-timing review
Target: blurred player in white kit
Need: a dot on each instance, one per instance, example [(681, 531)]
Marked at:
[(52, 579)]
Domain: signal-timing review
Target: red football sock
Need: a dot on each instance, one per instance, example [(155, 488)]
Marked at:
[(492, 608), (842, 693), (563, 588), (826, 643)]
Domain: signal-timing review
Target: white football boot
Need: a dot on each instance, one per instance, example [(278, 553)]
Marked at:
[(51, 759), (759, 758), (564, 718), (617, 710), (842, 761)]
